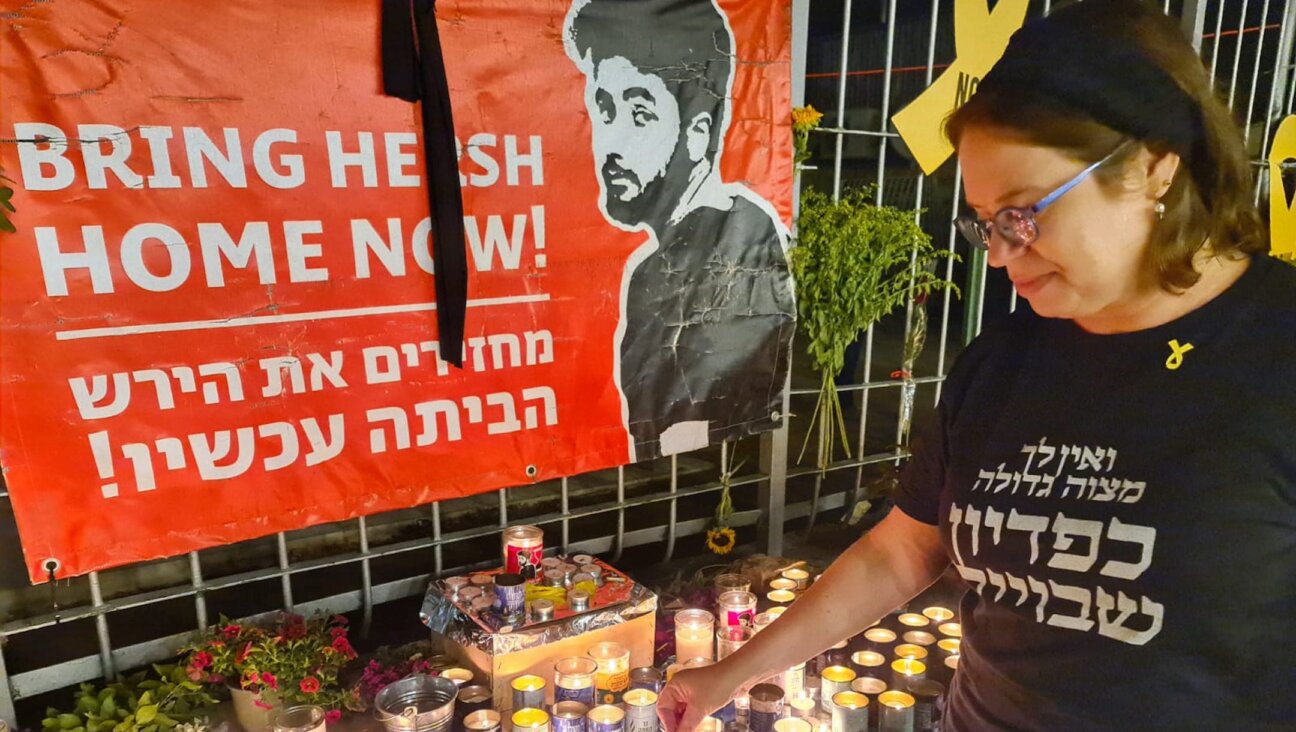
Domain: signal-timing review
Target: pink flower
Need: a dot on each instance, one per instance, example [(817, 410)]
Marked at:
[(260, 704), (217, 679), (202, 659), (231, 630), (339, 620), (194, 673), (309, 685), (333, 715), (269, 680)]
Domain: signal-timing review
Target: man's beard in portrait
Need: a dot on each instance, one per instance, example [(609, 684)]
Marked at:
[(657, 197)]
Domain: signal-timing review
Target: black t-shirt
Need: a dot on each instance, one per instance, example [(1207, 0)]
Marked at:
[(709, 323), (1126, 518)]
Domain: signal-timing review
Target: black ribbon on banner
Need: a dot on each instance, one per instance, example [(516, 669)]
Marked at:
[(414, 70)]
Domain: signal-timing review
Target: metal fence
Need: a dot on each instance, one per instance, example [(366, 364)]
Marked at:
[(860, 61)]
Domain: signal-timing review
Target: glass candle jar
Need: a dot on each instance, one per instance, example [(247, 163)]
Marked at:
[(613, 675), (731, 638), (304, 718), (568, 716), (523, 548), (737, 608), (574, 680), (694, 634), (732, 583)]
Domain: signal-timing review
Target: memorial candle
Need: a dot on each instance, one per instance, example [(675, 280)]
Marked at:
[(908, 650), (939, 614), (914, 620), (850, 712), (799, 576), (694, 634), (897, 711), (833, 680), (919, 638)]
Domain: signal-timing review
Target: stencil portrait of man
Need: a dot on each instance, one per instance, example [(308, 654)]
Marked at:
[(708, 312)]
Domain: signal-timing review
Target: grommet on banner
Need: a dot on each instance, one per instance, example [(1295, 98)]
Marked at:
[(776, 416), (51, 570), (531, 471)]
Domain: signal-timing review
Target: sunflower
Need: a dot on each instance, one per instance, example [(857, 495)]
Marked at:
[(721, 540)]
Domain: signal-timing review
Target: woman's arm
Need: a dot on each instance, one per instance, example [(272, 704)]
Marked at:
[(892, 563)]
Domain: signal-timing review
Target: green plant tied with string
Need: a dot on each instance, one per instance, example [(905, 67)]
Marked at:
[(854, 262)]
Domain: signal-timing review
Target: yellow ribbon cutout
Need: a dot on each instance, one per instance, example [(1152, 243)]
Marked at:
[(1177, 354), (980, 37), (1282, 216)]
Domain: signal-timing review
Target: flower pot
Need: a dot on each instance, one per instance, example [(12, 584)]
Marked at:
[(252, 717)]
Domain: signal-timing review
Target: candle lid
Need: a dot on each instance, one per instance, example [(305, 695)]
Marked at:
[(939, 614), (508, 579)]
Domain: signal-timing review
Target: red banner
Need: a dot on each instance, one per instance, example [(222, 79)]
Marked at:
[(217, 312)]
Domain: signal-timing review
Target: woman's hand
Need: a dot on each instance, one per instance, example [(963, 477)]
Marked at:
[(691, 695)]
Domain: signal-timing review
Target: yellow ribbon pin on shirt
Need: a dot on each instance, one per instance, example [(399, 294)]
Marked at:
[(1177, 354)]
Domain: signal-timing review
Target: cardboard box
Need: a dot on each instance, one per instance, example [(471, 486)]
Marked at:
[(622, 611)]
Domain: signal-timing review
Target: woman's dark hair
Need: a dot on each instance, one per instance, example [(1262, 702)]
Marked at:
[(1210, 199)]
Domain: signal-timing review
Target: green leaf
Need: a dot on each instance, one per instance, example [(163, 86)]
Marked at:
[(108, 708), (145, 699), (146, 713), (68, 721)]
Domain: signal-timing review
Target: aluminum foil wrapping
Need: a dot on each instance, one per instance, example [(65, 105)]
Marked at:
[(490, 635)]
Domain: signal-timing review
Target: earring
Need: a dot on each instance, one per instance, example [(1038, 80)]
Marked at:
[(1159, 208)]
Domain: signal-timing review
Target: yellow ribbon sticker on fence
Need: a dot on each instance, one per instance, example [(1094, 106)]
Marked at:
[(1282, 208), (980, 37)]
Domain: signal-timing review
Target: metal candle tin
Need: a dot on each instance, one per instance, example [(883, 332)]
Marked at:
[(766, 707), (897, 711), (606, 718), (568, 716), (510, 595), (483, 603), (541, 610), (929, 701), (939, 614), (909, 650), (578, 601), (549, 563), (799, 576), (454, 584), (582, 559), (472, 699), (919, 638), (906, 671), (871, 688), (569, 571), (528, 692), (641, 710), (594, 571), (803, 707), (646, 677), (554, 578), (468, 593), (530, 720), (523, 548), (484, 720), (574, 680), (833, 680), (914, 620), (850, 712), (782, 583)]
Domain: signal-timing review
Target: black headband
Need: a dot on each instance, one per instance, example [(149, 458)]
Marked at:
[(1062, 59)]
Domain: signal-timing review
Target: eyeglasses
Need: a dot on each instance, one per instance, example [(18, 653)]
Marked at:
[(1017, 226)]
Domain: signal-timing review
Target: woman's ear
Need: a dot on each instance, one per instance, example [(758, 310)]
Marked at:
[(1158, 170)]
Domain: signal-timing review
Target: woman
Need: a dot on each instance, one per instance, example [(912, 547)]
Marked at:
[(1115, 479)]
